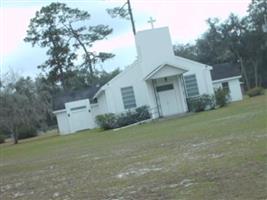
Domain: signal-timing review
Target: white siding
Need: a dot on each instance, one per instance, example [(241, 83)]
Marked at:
[(203, 76), (79, 119), (100, 107), (154, 47), (234, 88), (63, 123), (130, 77)]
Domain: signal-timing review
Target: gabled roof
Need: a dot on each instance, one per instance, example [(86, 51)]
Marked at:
[(175, 70), (225, 70), (69, 96), (186, 62), (127, 68)]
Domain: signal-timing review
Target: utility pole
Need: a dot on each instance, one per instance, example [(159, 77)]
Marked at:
[(125, 13), (131, 16)]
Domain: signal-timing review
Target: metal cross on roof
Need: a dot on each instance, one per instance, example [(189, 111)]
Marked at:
[(151, 21)]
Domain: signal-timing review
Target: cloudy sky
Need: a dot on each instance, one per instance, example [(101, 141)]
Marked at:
[(186, 20)]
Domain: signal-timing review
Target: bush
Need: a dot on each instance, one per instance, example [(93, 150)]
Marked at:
[(143, 113), (201, 103), (2, 138), (221, 96), (107, 121), (26, 132), (110, 121), (256, 91), (124, 119)]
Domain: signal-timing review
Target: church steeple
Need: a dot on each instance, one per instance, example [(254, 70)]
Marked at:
[(154, 47)]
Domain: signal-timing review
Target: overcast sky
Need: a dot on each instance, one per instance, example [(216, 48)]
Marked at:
[(186, 20)]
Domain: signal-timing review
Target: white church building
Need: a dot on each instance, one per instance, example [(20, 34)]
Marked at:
[(158, 79)]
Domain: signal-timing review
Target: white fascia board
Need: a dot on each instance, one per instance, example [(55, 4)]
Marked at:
[(59, 111), (103, 88), (162, 66), (193, 62), (226, 79)]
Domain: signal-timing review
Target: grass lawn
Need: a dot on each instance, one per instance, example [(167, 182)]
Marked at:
[(219, 154)]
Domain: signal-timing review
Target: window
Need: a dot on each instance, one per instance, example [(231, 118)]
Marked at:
[(225, 86), (164, 87), (78, 108), (191, 85), (128, 97)]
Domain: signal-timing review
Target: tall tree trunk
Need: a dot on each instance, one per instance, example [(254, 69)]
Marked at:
[(256, 79), (15, 137), (62, 77), (87, 54), (244, 72), (260, 80), (61, 73)]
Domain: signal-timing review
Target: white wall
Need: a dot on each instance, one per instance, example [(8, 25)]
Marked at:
[(234, 88), (63, 123), (202, 73), (217, 85), (130, 77), (79, 119), (100, 107), (154, 47)]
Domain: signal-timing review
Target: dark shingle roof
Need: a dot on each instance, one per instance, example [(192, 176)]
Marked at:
[(225, 70), (60, 99)]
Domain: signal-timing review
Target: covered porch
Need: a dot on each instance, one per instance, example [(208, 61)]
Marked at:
[(167, 92)]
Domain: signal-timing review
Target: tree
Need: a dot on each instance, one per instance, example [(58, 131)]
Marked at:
[(235, 40), (45, 91), (83, 36), (80, 79), (44, 32), (20, 106), (258, 40), (234, 32), (187, 51), (63, 31), (210, 48), (124, 13)]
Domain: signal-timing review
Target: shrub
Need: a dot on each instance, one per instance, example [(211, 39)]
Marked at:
[(2, 138), (256, 91), (201, 103), (143, 113), (124, 119), (221, 96), (106, 121), (26, 131), (110, 121)]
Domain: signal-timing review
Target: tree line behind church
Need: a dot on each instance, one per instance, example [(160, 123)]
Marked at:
[(68, 37), (235, 40)]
